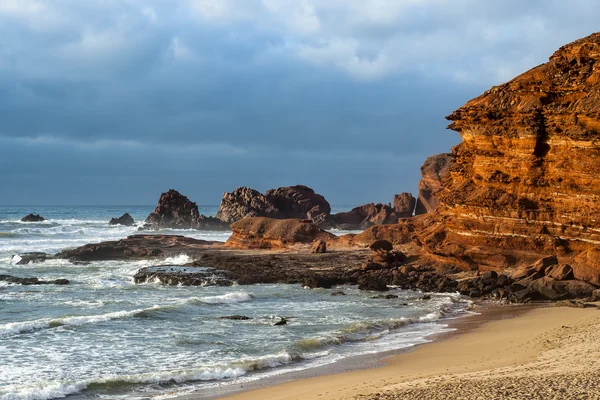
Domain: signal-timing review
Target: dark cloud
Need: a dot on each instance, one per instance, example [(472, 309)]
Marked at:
[(113, 102)]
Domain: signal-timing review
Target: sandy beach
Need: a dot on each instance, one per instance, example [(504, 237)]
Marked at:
[(543, 353)]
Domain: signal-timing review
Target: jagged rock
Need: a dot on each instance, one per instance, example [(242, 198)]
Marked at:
[(246, 202), (268, 233), (404, 205), (33, 218), (138, 247), (433, 171), (31, 258), (175, 275), (174, 210), (282, 321), (373, 284), (125, 220), (319, 247), (365, 216), (300, 202), (32, 281), (338, 294), (385, 296)]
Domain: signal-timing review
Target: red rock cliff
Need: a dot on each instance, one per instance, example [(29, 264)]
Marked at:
[(526, 179)]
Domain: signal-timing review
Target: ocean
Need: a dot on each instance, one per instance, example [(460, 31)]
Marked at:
[(102, 336)]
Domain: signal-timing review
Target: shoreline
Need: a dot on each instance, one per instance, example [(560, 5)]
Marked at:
[(485, 312), (521, 353)]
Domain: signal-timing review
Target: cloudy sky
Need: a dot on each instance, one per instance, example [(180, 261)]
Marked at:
[(115, 101)]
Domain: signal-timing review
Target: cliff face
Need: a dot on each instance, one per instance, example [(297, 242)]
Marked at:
[(526, 178)]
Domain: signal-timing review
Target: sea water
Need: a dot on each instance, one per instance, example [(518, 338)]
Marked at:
[(102, 336)]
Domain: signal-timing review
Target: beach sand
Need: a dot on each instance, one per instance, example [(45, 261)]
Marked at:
[(543, 353)]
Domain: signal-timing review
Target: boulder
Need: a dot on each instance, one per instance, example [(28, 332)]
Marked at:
[(300, 202), (30, 258), (125, 220), (236, 317), (33, 218), (365, 216), (268, 233), (319, 246), (246, 202), (404, 205), (176, 211), (433, 171), (318, 281), (560, 272), (381, 244), (373, 284), (537, 269)]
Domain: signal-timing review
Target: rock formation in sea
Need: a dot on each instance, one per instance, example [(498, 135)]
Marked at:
[(300, 202), (433, 171), (364, 217), (33, 218), (268, 233), (125, 220), (246, 202), (176, 211)]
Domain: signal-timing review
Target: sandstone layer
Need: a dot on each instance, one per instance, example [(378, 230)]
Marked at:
[(525, 181), (433, 171)]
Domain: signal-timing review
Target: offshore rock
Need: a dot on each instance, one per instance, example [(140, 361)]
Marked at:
[(433, 171), (268, 233), (246, 202), (183, 276), (300, 202), (137, 247), (32, 281), (365, 216), (33, 218), (176, 211), (31, 258), (404, 205), (125, 220)]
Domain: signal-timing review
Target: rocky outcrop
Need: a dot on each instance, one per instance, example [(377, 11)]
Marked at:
[(31, 281), (319, 247), (300, 202), (525, 181), (433, 171), (245, 202), (174, 275), (125, 220), (33, 218), (30, 258), (290, 202), (268, 233), (364, 217), (176, 211), (137, 247), (404, 205)]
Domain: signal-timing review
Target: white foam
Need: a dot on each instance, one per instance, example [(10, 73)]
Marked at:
[(228, 298)]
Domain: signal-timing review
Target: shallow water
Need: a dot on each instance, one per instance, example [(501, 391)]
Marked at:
[(104, 337)]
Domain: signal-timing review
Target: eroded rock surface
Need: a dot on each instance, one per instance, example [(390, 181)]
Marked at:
[(33, 218), (433, 171), (404, 205), (246, 202), (125, 220), (364, 217), (31, 281)]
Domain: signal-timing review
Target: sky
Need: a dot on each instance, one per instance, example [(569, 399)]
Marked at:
[(114, 102)]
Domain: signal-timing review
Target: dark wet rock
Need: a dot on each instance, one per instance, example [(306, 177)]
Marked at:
[(176, 211), (373, 284), (33, 218), (138, 247), (386, 296), (282, 321), (32, 281), (125, 220), (318, 281), (31, 258), (574, 304), (339, 293), (183, 276), (319, 247), (236, 317)]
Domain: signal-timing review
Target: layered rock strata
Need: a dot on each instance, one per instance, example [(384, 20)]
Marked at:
[(526, 177), (433, 171)]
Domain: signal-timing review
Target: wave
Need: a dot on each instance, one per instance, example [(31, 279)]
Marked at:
[(15, 328), (235, 369), (228, 298)]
